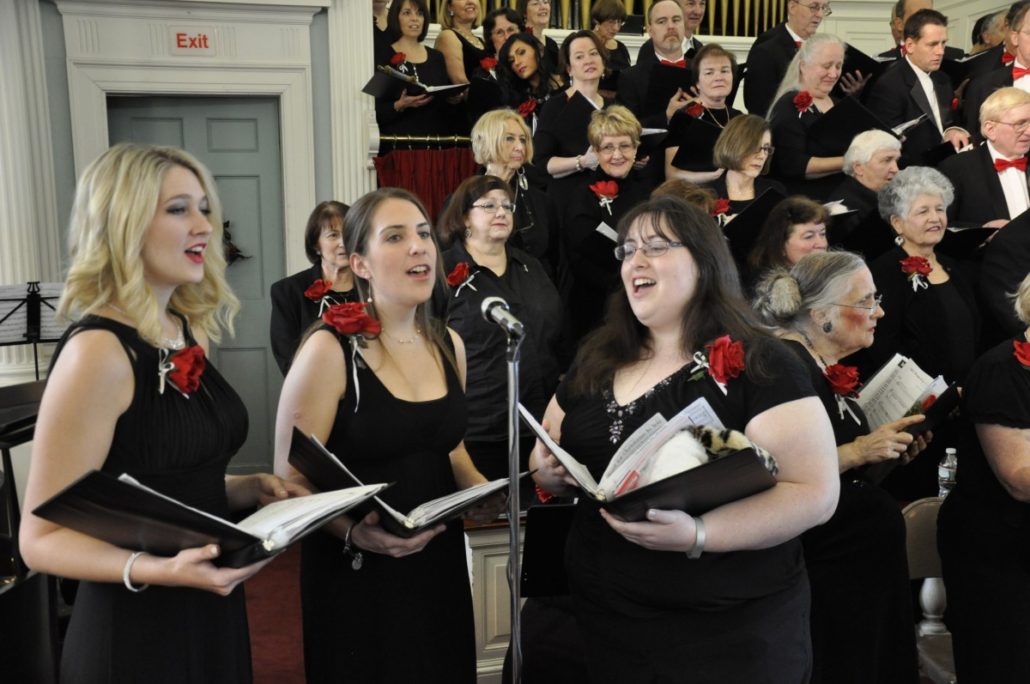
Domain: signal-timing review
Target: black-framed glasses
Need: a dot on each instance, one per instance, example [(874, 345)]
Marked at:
[(653, 248), (494, 207), (875, 305), (816, 8), (768, 149)]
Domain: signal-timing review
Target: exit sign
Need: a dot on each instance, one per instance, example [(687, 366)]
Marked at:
[(192, 42)]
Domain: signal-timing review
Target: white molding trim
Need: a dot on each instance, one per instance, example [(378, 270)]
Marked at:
[(355, 134), (125, 48), (28, 199)]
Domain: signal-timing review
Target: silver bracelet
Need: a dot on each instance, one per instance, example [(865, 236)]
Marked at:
[(357, 558), (579, 165), (699, 540), (127, 569)]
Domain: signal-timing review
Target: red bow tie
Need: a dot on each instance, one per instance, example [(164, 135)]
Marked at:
[(797, 44), (1002, 164), (1007, 58), (681, 63), (904, 51), (1019, 72)]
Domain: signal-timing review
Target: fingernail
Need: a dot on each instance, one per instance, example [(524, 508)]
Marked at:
[(213, 550), (651, 513)]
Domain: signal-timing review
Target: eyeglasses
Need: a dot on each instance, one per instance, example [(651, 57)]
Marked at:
[(768, 149), (874, 307), (624, 148), (493, 208), (816, 8), (1019, 127), (654, 248)]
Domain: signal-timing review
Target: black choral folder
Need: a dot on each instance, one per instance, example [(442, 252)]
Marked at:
[(389, 83), (133, 517), (836, 128), (743, 230), (324, 470), (696, 144)]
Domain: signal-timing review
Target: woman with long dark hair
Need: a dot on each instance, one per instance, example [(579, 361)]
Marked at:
[(678, 597)]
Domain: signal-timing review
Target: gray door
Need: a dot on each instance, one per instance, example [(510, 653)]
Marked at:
[(238, 139)]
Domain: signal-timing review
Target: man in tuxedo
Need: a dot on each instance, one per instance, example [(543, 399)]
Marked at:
[(656, 91), (772, 51), (914, 86), (1018, 40), (1006, 261), (903, 9), (693, 13), (991, 181)]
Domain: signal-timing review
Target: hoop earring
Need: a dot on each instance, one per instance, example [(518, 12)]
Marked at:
[(899, 239), (827, 327)]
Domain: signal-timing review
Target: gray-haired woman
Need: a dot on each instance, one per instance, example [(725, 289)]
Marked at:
[(825, 308), (802, 163), (869, 164), (932, 315)]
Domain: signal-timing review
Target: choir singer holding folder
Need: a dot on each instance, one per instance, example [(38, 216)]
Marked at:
[(381, 384), (677, 598), (130, 390)]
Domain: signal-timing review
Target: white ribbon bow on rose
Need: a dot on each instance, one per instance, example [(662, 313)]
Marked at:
[(701, 364), (843, 405)]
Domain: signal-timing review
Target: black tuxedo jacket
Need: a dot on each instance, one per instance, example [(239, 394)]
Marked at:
[(1004, 266), (978, 90), (766, 66), (635, 91), (897, 97), (978, 194)]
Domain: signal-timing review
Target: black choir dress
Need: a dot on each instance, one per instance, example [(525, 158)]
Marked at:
[(938, 328), (794, 147), (437, 117), (657, 616), (561, 131), (591, 271), (983, 535), (396, 619), (180, 447), (694, 134), (293, 312), (858, 570), (736, 206)]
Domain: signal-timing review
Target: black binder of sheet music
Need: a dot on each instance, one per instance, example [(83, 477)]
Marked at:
[(100, 505), (543, 551)]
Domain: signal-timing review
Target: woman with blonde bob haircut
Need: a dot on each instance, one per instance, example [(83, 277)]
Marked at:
[(503, 145), (130, 391)]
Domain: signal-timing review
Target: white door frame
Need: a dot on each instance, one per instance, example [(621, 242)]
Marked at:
[(128, 48)]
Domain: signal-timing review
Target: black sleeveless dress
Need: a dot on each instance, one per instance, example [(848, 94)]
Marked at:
[(181, 448), (396, 619)]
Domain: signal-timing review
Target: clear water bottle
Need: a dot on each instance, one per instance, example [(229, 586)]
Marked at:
[(946, 472)]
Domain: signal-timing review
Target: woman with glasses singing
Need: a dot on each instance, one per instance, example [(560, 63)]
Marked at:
[(678, 598), (481, 263), (932, 315), (743, 149), (595, 205), (804, 164), (826, 307)]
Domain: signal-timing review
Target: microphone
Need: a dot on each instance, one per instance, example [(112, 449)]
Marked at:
[(496, 310)]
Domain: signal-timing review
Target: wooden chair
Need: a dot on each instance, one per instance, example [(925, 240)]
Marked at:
[(933, 639)]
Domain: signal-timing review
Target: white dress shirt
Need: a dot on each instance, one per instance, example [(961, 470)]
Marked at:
[(1023, 83), (927, 84), (1013, 184)]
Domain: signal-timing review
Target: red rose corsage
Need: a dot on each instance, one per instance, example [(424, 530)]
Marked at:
[(803, 102), (917, 268), (318, 289), (1021, 350), (351, 319), (930, 400), (183, 369), (844, 382), (527, 107), (695, 110), (954, 104), (724, 360), (398, 59), (488, 63), (606, 192), (460, 276), (721, 206)]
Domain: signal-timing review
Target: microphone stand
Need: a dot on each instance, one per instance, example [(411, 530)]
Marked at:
[(514, 484)]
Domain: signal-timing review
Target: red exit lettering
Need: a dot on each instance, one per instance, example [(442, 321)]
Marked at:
[(187, 42)]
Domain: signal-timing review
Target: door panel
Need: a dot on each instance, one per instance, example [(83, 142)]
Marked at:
[(238, 139)]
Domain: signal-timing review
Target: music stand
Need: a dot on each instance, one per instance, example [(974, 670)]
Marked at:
[(28, 315)]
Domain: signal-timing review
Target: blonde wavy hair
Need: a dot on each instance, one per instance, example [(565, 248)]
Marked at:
[(115, 203)]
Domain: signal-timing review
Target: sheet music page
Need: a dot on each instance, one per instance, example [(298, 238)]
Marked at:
[(578, 471), (892, 391)]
